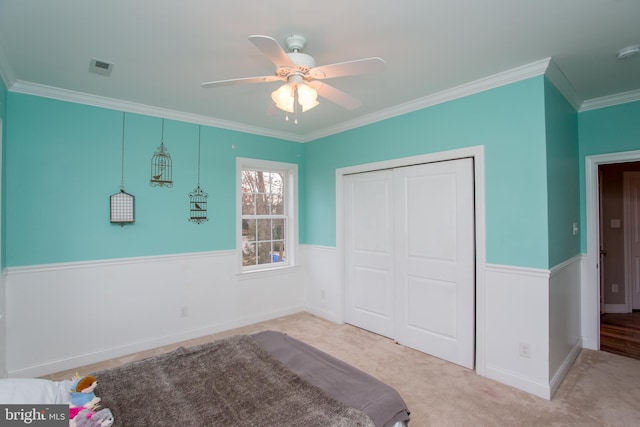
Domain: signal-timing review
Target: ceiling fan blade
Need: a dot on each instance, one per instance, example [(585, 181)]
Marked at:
[(349, 68), (335, 95), (231, 82), (272, 50)]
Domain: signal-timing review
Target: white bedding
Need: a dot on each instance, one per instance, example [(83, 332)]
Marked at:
[(34, 391)]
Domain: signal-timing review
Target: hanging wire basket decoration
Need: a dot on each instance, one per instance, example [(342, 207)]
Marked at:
[(161, 167), (198, 197), (122, 208), (122, 205)]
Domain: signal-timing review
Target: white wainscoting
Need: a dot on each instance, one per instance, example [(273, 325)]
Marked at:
[(324, 295), (517, 313), (61, 316), (565, 322)]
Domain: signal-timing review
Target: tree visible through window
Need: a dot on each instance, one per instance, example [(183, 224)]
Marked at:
[(264, 219)]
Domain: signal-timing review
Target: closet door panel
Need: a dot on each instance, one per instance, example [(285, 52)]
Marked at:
[(435, 259), (369, 251)]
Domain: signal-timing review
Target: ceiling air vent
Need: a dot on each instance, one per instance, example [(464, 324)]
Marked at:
[(100, 67)]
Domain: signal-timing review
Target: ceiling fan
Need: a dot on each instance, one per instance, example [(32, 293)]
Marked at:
[(302, 77)]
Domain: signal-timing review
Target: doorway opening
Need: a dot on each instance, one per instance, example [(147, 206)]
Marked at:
[(619, 186), (607, 285)]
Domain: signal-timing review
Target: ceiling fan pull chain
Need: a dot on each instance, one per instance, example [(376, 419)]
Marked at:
[(295, 104)]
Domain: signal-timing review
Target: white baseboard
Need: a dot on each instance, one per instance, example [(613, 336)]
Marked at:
[(565, 368), (110, 353), (325, 314), (616, 308), (519, 381)]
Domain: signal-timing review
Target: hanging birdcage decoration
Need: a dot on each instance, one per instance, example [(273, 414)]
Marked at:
[(198, 197), (122, 205), (161, 168), (198, 205)]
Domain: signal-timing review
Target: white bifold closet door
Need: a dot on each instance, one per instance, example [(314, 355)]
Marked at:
[(410, 256)]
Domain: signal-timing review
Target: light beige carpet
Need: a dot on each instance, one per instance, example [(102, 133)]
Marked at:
[(602, 389)]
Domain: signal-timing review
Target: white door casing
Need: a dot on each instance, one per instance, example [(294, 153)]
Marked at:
[(590, 289), (632, 239)]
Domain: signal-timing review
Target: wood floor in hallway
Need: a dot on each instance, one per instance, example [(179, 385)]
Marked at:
[(620, 333)]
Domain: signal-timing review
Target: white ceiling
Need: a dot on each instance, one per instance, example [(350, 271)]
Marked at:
[(163, 50)]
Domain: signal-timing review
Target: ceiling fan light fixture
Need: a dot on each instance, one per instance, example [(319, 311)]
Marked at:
[(283, 97), (307, 97)]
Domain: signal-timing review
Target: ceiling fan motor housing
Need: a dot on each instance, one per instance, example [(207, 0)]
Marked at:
[(303, 63)]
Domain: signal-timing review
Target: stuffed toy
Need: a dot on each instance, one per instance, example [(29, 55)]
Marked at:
[(82, 392), (90, 418)]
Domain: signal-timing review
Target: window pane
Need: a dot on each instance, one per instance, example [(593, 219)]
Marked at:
[(277, 183), (264, 253), (248, 181), (249, 230), (248, 254), (262, 204), (248, 205), (278, 254), (277, 207), (277, 229), (264, 230)]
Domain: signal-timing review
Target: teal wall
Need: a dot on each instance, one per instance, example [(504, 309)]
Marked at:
[(603, 131), (3, 117), (509, 121), (63, 161), (562, 176)]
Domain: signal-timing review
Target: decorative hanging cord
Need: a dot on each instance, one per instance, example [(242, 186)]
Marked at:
[(199, 135), (122, 204), (122, 174)]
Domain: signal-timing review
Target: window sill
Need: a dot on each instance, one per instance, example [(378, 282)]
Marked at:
[(275, 271)]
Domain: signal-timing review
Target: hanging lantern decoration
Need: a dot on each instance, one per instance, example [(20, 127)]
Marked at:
[(198, 198), (122, 204), (161, 168)]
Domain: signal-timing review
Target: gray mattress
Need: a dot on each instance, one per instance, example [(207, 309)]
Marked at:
[(338, 379)]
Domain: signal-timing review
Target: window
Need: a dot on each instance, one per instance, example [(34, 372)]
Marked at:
[(267, 207)]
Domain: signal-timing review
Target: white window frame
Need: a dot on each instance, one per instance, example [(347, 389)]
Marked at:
[(290, 172)]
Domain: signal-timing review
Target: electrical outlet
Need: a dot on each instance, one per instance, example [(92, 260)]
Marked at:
[(184, 311), (322, 294), (615, 288), (525, 350)]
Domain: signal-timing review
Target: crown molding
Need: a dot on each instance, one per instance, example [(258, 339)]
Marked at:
[(45, 91), (561, 82), (545, 67), (523, 72), (611, 100), (6, 72), (500, 79)]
